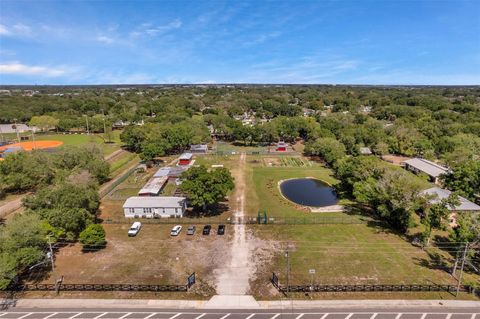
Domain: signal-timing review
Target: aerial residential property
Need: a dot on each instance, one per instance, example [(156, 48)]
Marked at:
[(250, 159)]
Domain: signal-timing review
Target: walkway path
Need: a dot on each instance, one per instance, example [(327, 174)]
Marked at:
[(234, 278)]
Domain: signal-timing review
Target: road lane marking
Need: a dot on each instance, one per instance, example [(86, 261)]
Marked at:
[(423, 316), (373, 316), (150, 315), (275, 316), (175, 316), (78, 314), (299, 316), (350, 315), (253, 314), (125, 315), (53, 314), (398, 316), (28, 314), (100, 315), (203, 314), (324, 316), (473, 316), (228, 314)]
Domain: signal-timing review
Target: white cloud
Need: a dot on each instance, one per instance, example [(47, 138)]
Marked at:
[(17, 68), (149, 29), (18, 29), (105, 39)]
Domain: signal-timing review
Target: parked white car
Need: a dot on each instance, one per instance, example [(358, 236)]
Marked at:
[(134, 229), (176, 230)]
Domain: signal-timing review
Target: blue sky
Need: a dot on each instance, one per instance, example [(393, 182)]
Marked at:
[(343, 42)]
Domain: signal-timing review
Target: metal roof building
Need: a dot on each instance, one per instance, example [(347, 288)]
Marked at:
[(440, 193), (199, 148), (420, 165), (153, 187)]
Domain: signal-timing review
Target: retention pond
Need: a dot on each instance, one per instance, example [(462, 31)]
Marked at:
[(308, 192)]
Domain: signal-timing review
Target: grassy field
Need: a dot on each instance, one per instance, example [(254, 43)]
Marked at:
[(83, 139), (345, 254), (264, 193)]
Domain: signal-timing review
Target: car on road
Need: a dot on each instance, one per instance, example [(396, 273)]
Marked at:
[(191, 230), (221, 230), (176, 230), (206, 229), (134, 229)]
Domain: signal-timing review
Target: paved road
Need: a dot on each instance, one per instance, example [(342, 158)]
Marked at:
[(241, 314)]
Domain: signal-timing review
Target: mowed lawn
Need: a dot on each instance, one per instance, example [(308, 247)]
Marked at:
[(264, 194), (83, 139), (345, 254)]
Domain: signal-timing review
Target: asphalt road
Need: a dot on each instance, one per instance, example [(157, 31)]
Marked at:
[(241, 314)]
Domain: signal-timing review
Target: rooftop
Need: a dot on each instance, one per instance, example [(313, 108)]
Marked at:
[(186, 156), (440, 193), (154, 185), (154, 202), (427, 166)]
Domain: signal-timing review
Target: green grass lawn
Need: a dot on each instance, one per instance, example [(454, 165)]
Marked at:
[(263, 193), (121, 162), (346, 254), (82, 139)]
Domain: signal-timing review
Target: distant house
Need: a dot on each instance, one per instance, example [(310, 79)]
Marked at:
[(153, 187), (154, 207), (465, 205), (199, 148), (420, 165), (185, 159), (281, 147), (14, 128), (365, 151)]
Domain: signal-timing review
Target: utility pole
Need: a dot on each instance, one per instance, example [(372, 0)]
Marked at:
[(461, 269), (51, 253), (288, 270), (86, 120)]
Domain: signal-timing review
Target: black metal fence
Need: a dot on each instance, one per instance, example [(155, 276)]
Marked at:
[(99, 287), (368, 288), (310, 220)]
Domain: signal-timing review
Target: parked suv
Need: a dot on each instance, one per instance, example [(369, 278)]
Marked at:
[(134, 229), (221, 230), (206, 229), (176, 230)]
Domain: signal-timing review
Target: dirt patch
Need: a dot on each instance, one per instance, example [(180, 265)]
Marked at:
[(395, 159), (28, 146)]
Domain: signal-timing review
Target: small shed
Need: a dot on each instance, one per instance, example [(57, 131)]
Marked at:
[(185, 159), (154, 207), (281, 147), (163, 171), (153, 187), (365, 151), (199, 148), (420, 165)]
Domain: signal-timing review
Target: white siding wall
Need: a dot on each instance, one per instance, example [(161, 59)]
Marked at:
[(154, 212)]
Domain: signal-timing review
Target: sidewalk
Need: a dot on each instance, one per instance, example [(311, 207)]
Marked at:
[(251, 304)]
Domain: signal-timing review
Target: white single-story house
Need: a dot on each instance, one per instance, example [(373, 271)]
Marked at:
[(154, 207), (199, 148), (420, 165), (465, 205), (14, 128), (153, 186)]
